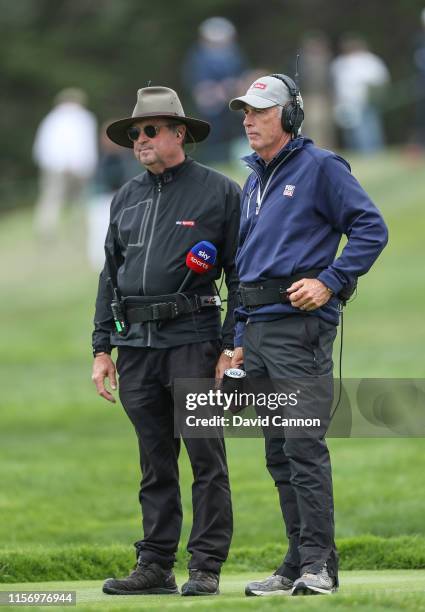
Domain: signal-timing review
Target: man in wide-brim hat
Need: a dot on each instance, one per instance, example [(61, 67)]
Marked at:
[(164, 331), (158, 102)]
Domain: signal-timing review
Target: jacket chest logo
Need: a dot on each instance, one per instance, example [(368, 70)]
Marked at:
[(186, 223), (289, 190)]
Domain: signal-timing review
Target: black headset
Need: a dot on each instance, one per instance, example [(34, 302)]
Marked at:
[(292, 113)]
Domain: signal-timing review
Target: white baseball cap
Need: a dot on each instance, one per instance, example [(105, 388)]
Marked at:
[(265, 92)]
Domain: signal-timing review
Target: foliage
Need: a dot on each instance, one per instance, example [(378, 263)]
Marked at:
[(112, 48)]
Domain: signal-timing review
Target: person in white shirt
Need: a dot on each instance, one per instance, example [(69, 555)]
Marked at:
[(65, 150), (357, 76)]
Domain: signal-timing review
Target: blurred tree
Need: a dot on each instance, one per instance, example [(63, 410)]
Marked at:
[(110, 48)]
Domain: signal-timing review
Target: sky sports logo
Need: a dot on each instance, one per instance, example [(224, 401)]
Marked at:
[(198, 263), (186, 223)]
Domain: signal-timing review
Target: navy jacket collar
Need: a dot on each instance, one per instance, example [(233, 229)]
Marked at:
[(255, 162)]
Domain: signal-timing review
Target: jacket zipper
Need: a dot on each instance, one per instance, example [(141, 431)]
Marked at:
[(260, 196), (159, 189)]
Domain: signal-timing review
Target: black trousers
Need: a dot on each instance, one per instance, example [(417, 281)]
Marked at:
[(292, 347), (145, 382)]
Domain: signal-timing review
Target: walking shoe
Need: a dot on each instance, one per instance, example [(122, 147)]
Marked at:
[(273, 585), (314, 584), (201, 582), (145, 579)]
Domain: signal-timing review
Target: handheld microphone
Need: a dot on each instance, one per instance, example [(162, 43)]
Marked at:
[(200, 259)]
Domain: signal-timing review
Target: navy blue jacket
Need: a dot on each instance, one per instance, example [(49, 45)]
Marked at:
[(295, 210)]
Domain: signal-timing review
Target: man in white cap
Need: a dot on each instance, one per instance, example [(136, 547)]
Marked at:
[(166, 327), (296, 205)]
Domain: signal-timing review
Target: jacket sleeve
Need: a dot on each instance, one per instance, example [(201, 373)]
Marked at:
[(230, 244), (103, 319), (349, 209)]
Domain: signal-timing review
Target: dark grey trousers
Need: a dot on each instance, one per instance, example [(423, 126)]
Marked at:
[(291, 347), (145, 381)]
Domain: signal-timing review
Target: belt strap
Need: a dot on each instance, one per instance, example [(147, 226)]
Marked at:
[(272, 290), (142, 309)]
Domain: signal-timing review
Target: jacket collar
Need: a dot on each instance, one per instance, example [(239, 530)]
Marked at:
[(255, 162), (169, 174)]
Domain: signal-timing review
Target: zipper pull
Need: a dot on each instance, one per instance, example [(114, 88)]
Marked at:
[(159, 185)]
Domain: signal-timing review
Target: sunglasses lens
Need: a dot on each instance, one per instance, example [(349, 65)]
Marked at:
[(150, 131), (133, 133)]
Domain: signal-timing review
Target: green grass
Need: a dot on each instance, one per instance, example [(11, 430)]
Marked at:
[(91, 562), (368, 591), (68, 460)]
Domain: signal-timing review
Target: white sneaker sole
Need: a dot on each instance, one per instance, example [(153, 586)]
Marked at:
[(303, 589), (268, 593)]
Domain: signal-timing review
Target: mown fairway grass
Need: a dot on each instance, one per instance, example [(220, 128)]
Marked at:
[(368, 591), (68, 460)]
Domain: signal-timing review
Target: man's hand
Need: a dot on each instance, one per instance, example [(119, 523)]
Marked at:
[(308, 294), (237, 360), (223, 363), (104, 367)]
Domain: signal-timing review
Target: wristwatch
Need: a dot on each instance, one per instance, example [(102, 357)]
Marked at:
[(228, 352)]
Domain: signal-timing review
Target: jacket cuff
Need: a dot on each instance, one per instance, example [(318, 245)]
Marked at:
[(330, 279), (102, 348), (239, 332)]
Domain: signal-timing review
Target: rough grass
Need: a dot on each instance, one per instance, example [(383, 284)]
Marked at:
[(96, 562)]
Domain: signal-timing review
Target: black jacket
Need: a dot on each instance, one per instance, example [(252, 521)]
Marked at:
[(155, 220)]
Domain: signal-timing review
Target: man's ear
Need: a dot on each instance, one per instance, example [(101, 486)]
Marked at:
[(181, 131)]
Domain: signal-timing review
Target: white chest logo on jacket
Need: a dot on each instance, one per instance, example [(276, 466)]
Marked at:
[(289, 190)]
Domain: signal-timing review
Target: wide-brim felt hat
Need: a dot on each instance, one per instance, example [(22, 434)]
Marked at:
[(157, 102)]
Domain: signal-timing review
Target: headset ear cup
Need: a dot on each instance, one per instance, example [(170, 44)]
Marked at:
[(288, 114), (298, 119), (292, 118)]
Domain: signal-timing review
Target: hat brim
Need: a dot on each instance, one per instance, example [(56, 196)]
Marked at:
[(117, 131), (251, 100)]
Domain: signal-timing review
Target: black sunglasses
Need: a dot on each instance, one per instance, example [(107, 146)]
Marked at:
[(150, 131)]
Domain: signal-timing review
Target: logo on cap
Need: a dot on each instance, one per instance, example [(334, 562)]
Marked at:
[(259, 86)]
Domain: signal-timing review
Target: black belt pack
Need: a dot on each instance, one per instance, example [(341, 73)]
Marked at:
[(273, 290), (143, 309)]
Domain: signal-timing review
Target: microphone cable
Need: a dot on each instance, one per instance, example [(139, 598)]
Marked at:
[(341, 340)]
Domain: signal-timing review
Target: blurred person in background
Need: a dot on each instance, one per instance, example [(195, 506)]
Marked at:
[(170, 332), (115, 167), (359, 77), (296, 204), (419, 59), (314, 69), (211, 73), (65, 150)]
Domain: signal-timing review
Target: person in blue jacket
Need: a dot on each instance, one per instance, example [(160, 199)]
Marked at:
[(297, 203)]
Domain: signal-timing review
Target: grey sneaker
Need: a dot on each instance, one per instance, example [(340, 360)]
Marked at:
[(314, 584), (273, 585)]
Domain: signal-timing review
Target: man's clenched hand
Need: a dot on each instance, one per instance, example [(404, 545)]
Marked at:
[(237, 359), (308, 294)]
